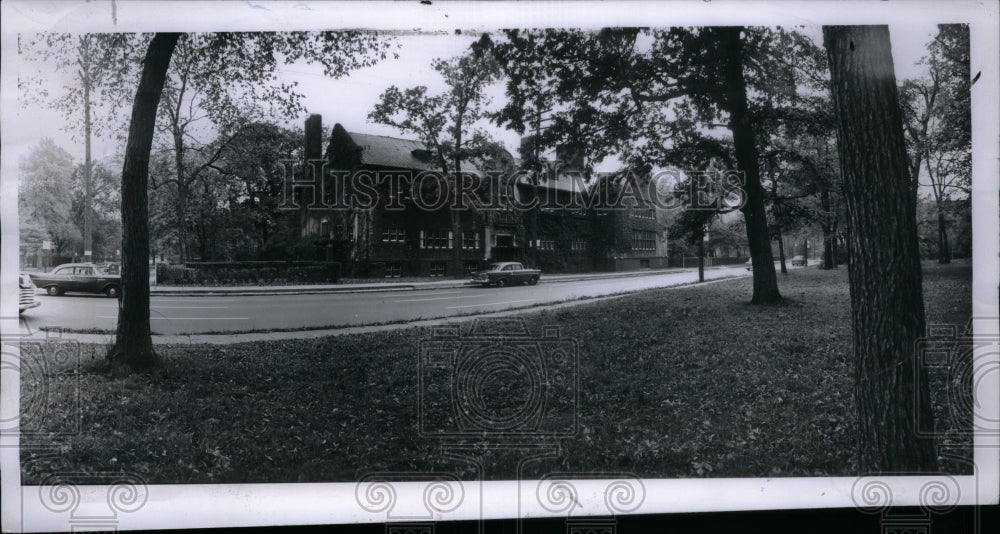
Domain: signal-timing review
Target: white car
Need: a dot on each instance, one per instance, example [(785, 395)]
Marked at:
[(26, 298)]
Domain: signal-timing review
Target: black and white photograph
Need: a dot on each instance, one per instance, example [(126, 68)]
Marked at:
[(419, 262)]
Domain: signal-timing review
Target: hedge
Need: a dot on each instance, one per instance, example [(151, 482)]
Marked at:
[(249, 273)]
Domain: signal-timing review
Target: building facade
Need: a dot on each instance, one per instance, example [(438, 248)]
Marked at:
[(400, 233)]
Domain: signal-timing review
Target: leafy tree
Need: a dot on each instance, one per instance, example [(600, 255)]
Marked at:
[(196, 101), (446, 122), (884, 264), (45, 198), (133, 347), (97, 79), (691, 226), (640, 92), (938, 124), (247, 179), (244, 60), (102, 207)]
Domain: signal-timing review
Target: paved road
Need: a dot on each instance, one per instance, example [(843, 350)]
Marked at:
[(205, 314)]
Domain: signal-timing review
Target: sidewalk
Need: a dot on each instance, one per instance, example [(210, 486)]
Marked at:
[(244, 337), (385, 286)]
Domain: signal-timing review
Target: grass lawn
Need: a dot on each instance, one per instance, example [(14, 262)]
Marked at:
[(685, 382)]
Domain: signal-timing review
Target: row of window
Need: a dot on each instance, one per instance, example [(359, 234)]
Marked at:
[(643, 240), (440, 239), (648, 214), (438, 268), (550, 244), (337, 230)]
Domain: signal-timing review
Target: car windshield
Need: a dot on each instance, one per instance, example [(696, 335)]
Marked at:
[(495, 267)]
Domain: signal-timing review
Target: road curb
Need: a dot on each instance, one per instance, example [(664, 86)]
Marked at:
[(249, 337), (235, 291)]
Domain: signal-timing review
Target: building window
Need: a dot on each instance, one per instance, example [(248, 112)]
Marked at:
[(639, 213), (546, 244), (401, 191), (643, 241), (470, 240), (393, 270), (579, 245), (471, 268), (338, 230), (437, 268), (324, 227), (393, 234), (435, 239)]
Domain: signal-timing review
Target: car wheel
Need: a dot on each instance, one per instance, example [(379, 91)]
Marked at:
[(501, 282), (533, 281), (111, 291), (54, 291)]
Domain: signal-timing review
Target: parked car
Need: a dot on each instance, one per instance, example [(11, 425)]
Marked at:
[(78, 277), (799, 260), (26, 298), (506, 273)]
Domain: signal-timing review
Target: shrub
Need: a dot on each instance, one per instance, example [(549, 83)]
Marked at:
[(257, 272)]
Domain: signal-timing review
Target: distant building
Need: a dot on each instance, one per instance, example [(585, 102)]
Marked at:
[(402, 236)]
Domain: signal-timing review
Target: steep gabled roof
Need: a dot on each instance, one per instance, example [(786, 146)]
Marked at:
[(393, 152)]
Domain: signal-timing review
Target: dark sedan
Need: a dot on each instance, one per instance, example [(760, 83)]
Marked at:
[(78, 277), (506, 273)]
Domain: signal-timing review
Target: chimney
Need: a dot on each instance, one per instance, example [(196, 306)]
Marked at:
[(314, 137), (570, 155), (528, 147)]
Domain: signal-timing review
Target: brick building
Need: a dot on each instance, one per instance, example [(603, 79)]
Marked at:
[(399, 235)]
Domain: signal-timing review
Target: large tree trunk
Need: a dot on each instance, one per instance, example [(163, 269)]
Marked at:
[(781, 251), (701, 257), (827, 226), (88, 166), (182, 193), (456, 219), (944, 251), (133, 345), (884, 263), (836, 239), (765, 281)]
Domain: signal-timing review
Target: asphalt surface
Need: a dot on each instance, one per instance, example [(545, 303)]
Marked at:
[(245, 313)]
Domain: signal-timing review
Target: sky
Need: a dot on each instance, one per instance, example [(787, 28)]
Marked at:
[(348, 100)]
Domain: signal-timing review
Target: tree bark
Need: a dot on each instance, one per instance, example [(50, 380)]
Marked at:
[(88, 166), (781, 252), (701, 257), (765, 280), (181, 206), (827, 226), (133, 348), (944, 251), (884, 262)]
